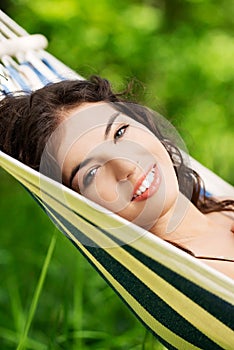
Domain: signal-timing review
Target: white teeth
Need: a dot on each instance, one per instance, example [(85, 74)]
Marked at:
[(150, 177), (146, 183), (142, 188)]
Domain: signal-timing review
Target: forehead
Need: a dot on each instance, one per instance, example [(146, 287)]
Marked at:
[(87, 117), (85, 122)]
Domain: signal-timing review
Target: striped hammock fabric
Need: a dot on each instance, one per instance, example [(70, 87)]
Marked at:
[(185, 303)]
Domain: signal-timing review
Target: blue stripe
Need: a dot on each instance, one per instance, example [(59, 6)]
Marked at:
[(16, 75), (49, 65), (41, 76)]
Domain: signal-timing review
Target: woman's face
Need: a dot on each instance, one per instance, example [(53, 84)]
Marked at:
[(118, 163)]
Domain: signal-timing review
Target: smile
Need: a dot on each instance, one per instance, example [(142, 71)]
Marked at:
[(147, 185)]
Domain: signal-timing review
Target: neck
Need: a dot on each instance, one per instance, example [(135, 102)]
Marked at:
[(186, 226), (175, 223)]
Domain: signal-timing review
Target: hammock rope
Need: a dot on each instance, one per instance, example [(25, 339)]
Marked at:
[(185, 303)]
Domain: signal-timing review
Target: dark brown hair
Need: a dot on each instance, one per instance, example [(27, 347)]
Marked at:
[(28, 120)]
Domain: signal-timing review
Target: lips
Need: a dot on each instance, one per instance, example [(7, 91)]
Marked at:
[(147, 185)]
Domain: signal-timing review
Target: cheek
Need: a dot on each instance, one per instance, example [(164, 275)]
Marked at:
[(103, 190), (107, 192)]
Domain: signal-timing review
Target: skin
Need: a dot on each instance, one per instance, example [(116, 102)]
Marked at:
[(121, 153)]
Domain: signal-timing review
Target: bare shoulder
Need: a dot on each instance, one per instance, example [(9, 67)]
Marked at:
[(226, 267), (225, 218)]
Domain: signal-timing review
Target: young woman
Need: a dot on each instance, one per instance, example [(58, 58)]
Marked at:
[(112, 152)]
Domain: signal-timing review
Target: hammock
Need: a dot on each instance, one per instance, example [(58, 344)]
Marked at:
[(186, 304)]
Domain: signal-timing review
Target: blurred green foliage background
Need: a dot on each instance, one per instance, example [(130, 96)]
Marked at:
[(181, 54)]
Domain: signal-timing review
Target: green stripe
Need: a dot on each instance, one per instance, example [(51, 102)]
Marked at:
[(149, 300)]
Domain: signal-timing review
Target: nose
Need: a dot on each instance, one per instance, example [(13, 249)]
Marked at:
[(122, 169)]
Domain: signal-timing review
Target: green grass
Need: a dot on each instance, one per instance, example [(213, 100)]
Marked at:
[(50, 297), (31, 312)]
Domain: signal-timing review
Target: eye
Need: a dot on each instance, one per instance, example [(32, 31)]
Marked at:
[(88, 178), (120, 132)]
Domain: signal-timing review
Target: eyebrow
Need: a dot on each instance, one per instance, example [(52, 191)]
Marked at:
[(86, 161), (110, 123)]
